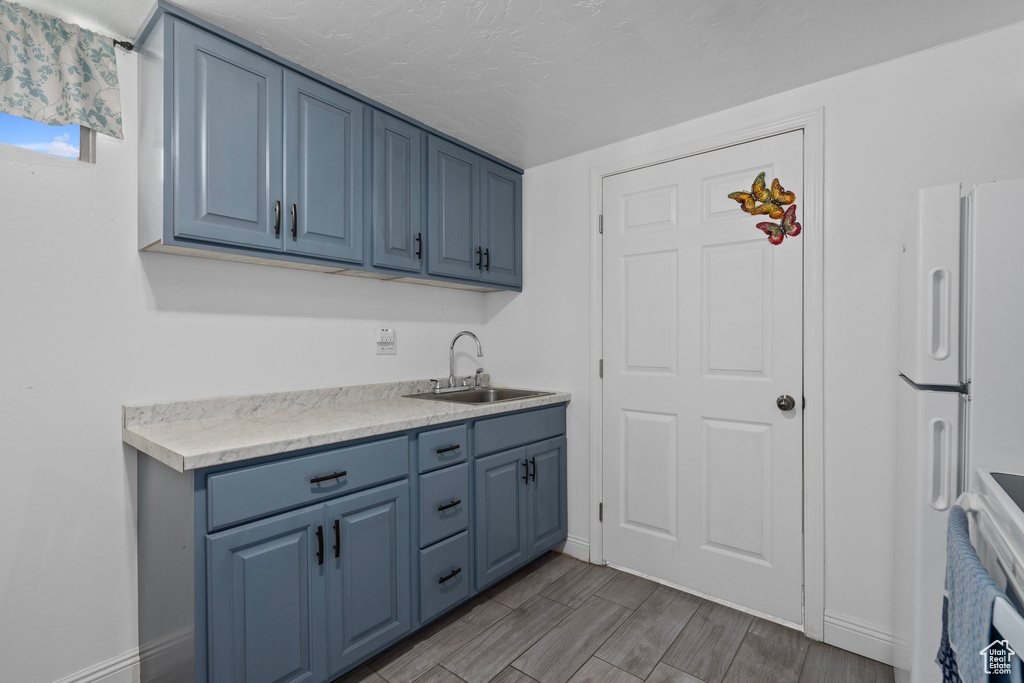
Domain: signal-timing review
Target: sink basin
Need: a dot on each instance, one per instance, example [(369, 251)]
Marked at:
[(483, 395)]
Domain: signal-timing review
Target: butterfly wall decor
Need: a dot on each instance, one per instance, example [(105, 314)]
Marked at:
[(761, 200), (777, 232)]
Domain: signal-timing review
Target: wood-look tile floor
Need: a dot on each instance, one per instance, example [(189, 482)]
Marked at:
[(560, 620)]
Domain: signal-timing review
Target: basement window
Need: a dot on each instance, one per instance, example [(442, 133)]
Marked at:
[(69, 142)]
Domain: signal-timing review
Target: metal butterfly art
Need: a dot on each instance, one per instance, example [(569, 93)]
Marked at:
[(777, 232), (761, 200), (758, 193)]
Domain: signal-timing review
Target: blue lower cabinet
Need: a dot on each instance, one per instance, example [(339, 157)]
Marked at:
[(444, 576), (500, 518), (545, 495), (316, 562), (444, 503), (520, 508), (266, 600), (369, 579)]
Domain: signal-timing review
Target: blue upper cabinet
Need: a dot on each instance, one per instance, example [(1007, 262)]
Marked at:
[(474, 216), (453, 210), (244, 154), (323, 205), (398, 183), (227, 120), (501, 230)]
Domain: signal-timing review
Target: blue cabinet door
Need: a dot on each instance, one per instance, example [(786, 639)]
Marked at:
[(453, 210), (501, 542), (266, 600), (398, 229), (545, 500), (323, 207), (227, 136), (501, 227), (369, 578)]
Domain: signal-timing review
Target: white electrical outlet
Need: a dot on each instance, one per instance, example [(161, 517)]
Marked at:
[(386, 341)]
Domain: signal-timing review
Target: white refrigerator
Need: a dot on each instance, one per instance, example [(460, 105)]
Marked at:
[(960, 393)]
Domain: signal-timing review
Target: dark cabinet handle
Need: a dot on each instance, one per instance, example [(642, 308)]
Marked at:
[(526, 471), (479, 258), (337, 538), (442, 508), (448, 450), (320, 545), (295, 222), (419, 245), (328, 477), (487, 256), (455, 572), (277, 218), (533, 461)]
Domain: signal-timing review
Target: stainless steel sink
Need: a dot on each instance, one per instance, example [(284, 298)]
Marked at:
[(482, 395)]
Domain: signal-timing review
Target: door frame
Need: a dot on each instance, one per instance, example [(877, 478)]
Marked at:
[(811, 122)]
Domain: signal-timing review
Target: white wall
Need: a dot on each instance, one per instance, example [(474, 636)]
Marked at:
[(87, 324), (949, 114)]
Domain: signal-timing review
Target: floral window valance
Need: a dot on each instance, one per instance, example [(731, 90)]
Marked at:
[(57, 72)]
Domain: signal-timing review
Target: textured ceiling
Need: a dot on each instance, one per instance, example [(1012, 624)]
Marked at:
[(536, 80)]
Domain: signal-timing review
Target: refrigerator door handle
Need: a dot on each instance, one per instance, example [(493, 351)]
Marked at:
[(941, 481), (939, 312)]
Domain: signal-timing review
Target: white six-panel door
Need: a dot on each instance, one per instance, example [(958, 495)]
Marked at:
[(702, 481)]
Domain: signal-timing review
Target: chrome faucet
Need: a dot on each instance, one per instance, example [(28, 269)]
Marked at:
[(451, 357)]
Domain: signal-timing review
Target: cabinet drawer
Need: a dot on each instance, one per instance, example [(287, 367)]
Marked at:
[(501, 433), (438, 490), (444, 575), (443, 447), (244, 494)]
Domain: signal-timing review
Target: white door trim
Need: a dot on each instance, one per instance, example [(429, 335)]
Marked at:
[(811, 122)]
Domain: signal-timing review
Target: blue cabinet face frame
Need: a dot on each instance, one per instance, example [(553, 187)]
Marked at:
[(357, 545), (246, 156)]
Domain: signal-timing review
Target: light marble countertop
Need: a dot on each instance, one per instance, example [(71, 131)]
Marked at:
[(189, 435)]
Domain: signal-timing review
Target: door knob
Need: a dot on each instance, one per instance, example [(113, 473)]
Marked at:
[(785, 402)]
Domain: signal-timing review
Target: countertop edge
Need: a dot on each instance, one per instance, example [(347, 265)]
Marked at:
[(186, 462), (175, 461)]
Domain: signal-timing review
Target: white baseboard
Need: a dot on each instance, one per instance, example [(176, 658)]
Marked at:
[(576, 546), (864, 639), (121, 669)]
